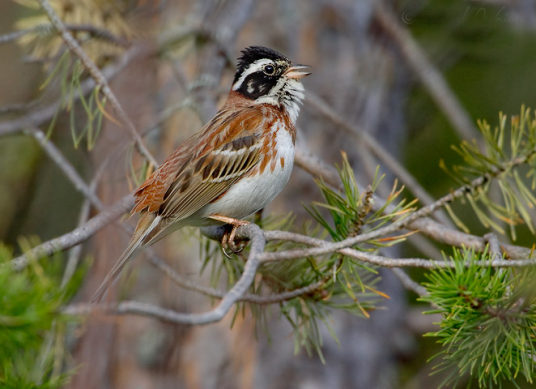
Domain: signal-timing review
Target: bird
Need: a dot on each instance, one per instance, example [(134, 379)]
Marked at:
[(234, 166)]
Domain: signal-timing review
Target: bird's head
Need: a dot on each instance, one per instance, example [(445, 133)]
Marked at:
[(267, 77)]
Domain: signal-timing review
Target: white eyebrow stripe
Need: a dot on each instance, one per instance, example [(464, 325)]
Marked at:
[(253, 68)]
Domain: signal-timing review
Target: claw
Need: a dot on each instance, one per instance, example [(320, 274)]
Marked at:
[(236, 249), (225, 244), (228, 239), (225, 252)]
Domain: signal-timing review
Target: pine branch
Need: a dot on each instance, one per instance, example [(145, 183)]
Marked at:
[(488, 321), (378, 150), (100, 79)]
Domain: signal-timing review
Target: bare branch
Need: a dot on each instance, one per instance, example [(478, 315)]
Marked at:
[(78, 235), (211, 292), (99, 33), (17, 34), (494, 245), (430, 77), (404, 222), (316, 167), (255, 258), (237, 291), (426, 247), (97, 75), (324, 247), (65, 166), (409, 283), (74, 253)]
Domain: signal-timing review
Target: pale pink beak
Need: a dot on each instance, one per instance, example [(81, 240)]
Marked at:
[(297, 72)]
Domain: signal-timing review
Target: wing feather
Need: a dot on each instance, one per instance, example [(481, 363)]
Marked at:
[(206, 176), (210, 182), (166, 191)]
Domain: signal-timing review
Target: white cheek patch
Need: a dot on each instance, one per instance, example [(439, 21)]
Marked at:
[(250, 87)]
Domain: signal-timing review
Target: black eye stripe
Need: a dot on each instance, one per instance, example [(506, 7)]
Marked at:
[(256, 85)]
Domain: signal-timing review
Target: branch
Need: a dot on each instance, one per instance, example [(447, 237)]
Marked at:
[(237, 291), (78, 235), (413, 221), (97, 75), (99, 33), (316, 167), (438, 232), (186, 283), (324, 247), (494, 245), (255, 258), (430, 77), (408, 283), (65, 166)]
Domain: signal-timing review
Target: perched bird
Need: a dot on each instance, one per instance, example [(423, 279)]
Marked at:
[(234, 166)]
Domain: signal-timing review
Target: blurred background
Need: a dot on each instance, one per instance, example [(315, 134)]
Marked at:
[(415, 75)]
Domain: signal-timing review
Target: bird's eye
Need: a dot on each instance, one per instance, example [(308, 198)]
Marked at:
[(269, 70)]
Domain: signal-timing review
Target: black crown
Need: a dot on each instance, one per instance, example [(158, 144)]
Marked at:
[(254, 53)]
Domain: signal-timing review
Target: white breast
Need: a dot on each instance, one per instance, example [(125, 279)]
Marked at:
[(251, 194)]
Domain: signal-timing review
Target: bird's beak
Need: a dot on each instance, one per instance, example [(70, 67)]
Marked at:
[(297, 71)]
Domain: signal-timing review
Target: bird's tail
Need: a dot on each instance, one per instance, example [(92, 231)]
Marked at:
[(146, 226)]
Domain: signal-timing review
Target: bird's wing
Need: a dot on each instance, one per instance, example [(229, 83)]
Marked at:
[(206, 166)]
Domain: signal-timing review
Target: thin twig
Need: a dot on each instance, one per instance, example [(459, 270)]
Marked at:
[(408, 283), (36, 118), (99, 78), (65, 166), (17, 107), (74, 254), (317, 168), (17, 34), (99, 33), (48, 27), (427, 248)]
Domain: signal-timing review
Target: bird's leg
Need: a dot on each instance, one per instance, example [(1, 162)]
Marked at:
[(228, 238)]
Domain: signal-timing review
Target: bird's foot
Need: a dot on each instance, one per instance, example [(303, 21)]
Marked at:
[(228, 240)]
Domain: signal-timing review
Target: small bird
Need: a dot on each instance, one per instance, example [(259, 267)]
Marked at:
[(234, 166)]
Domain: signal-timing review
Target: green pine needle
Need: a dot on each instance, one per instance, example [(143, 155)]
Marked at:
[(506, 150), (489, 321)]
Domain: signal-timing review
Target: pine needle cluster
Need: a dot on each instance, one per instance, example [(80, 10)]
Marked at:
[(32, 329), (488, 328)]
